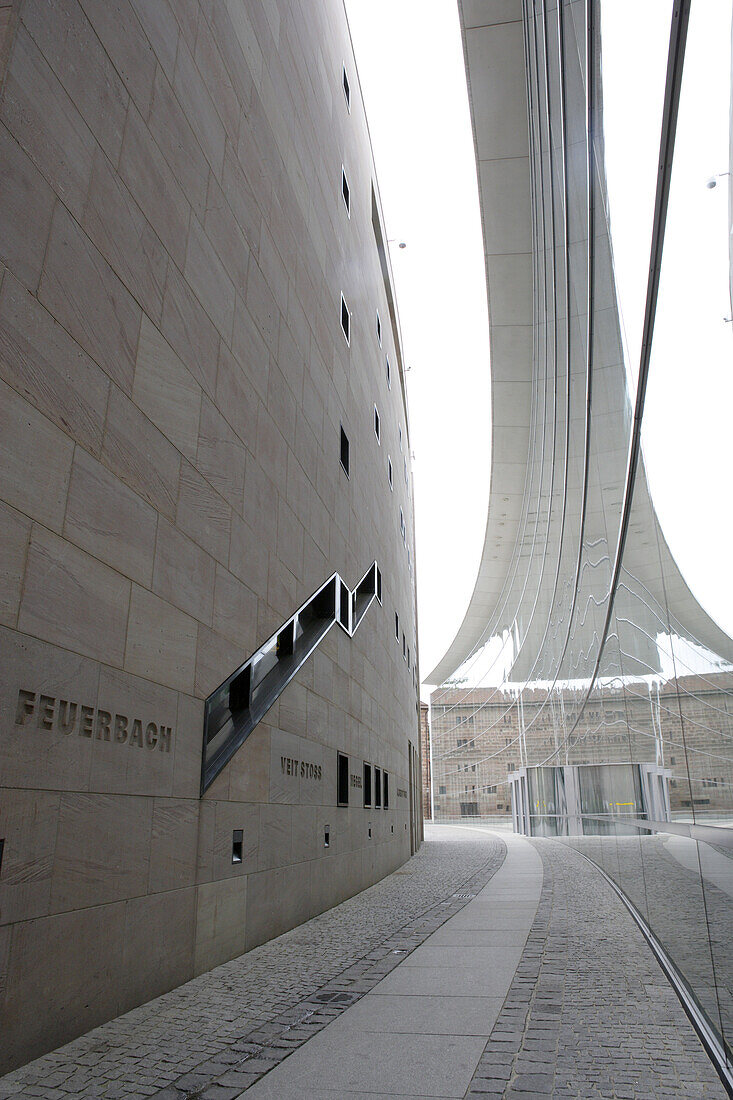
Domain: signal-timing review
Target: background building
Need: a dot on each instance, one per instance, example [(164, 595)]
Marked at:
[(201, 405)]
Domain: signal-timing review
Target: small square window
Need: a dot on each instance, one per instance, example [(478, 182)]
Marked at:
[(345, 85), (345, 320), (345, 191), (379, 329), (389, 373), (396, 626), (344, 451), (389, 472), (377, 425)]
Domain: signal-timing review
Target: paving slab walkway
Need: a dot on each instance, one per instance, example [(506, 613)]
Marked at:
[(223, 1030), (489, 965)]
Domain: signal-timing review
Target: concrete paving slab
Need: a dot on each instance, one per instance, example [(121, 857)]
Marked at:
[(425, 1015), (458, 981), (397, 1065), (451, 935), (479, 957)]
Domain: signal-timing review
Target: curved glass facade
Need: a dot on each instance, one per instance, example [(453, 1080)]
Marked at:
[(587, 689)]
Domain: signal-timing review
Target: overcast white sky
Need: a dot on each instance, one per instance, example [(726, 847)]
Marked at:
[(410, 61)]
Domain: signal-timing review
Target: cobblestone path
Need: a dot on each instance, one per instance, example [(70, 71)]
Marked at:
[(214, 1036), (589, 1013)]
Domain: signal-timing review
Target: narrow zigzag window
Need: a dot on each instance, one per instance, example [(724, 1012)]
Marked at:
[(345, 85), (379, 329), (377, 425), (345, 320), (345, 191)]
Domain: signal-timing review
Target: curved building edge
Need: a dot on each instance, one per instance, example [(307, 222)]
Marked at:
[(202, 398)]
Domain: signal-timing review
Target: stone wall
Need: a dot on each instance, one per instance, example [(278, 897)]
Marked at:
[(174, 245)]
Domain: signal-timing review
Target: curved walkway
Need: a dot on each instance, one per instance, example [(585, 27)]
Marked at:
[(487, 966)]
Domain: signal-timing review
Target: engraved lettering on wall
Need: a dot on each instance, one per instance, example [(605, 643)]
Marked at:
[(46, 712)]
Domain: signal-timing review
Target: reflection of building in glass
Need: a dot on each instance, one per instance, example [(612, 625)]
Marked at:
[(582, 647), (427, 782), (480, 735)]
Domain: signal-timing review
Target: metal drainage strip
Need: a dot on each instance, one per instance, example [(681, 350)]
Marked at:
[(466, 897)]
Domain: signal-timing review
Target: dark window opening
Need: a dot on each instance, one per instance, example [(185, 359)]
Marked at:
[(469, 809), (342, 779), (237, 839), (345, 191), (379, 329), (379, 584), (377, 787), (367, 784), (385, 785), (396, 626), (345, 320), (441, 790), (327, 837), (377, 425), (404, 645), (389, 374), (347, 89), (389, 473), (345, 451)]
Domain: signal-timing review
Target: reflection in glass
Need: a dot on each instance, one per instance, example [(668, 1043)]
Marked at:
[(591, 696)]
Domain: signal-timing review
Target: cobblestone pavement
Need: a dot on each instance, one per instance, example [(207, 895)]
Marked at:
[(214, 1036), (589, 1013)]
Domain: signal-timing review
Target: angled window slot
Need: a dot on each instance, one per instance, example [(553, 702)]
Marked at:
[(345, 85), (379, 583), (286, 641), (377, 425), (240, 690), (345, 191), (389, 373), (389, 474), (344, 454), (396, 626), (345, 320), (379, 329), (364, 593), (344, 607)]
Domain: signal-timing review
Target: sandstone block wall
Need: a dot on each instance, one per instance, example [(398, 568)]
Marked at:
[(174, 245)]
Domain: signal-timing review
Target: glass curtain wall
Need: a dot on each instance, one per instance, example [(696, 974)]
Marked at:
[(597, 652)]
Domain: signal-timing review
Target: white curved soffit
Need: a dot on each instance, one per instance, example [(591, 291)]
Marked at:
[(495, 71)]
